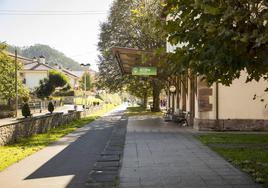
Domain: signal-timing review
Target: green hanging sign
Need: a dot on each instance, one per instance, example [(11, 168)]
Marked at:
[(144, 71)]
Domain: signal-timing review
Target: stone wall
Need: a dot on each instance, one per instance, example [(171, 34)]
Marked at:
[(231, 125), (26, 127)]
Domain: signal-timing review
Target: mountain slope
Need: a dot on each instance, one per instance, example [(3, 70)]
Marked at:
[(52, 56)]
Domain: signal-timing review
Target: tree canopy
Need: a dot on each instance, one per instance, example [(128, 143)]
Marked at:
[(48, 85), (7, 76), (130, 24), (89, 82), (219, 39)]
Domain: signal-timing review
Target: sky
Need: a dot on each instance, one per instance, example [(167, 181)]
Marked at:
[(75, 35)]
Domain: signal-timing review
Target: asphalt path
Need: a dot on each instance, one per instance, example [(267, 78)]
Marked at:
[(67, 162)]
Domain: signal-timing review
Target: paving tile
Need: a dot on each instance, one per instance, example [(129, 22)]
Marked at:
[(168, 157)]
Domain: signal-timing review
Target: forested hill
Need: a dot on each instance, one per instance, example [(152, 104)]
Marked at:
[(52, 56)]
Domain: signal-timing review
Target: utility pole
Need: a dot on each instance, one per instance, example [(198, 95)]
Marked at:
[(85, 88), (16, 82), (85, 80)]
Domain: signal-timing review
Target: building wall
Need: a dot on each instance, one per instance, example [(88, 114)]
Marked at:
[(235, 108), (33, 78), (206, 100), (236, 101), (74, 82)]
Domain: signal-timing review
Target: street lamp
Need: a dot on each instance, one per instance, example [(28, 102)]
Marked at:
[(172, 89), (85, 79)]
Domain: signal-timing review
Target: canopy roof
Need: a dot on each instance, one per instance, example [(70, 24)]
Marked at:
[(128, 58)]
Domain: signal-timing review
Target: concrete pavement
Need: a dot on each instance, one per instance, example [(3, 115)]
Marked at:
[(65, 163), (159, 154)]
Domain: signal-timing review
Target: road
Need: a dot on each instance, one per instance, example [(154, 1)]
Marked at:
[(65, 163)]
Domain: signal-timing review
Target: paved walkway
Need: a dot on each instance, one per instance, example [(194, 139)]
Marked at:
[(65, 163), (159, 154)]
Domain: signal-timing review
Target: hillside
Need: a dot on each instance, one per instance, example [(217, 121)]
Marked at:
[(52, 56)]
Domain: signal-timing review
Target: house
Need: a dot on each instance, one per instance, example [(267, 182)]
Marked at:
[(35, 70)]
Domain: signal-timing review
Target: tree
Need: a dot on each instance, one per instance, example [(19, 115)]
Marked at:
[(57, 78), (45, 89), (140, 88), (7, 76), (50, 107), (89, 83), (47, 86), (25, 110), (130, 24), (219, 39)]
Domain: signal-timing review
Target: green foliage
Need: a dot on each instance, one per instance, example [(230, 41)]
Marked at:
[(138, 87), (52, 55), (57, 78), (47, 86), (132, 24), (64, 93), (7, 76), (89, 83), (25, 110), (219, 39), (138, 111), (50, 107), (45, 89), (88, 100), (247, 151)]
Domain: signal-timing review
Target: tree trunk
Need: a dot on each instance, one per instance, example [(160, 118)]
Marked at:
[(145, 99), (156, 93)]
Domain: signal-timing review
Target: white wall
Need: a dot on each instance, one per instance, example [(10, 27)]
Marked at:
[(33, 78), (236, 101), (72, 82)]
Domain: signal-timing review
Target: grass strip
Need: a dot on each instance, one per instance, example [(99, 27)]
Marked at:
[(137, 111), (246, 151), (12, 153)]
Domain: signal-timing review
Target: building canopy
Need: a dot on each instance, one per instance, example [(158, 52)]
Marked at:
[(129, 58)]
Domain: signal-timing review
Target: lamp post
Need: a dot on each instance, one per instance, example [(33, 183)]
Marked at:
[(172, 89), (16, 82), (85, 79)]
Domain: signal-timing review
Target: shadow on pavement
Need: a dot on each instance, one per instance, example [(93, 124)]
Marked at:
[(79, 157)]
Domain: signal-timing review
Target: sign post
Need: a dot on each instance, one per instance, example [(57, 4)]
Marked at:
[(144, 71)]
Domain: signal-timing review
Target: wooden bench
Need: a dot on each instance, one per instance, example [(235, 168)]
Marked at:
[(179, 116)]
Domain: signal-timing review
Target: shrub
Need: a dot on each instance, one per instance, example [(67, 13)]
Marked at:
[(64, 93), (50, 107), (25, 110)]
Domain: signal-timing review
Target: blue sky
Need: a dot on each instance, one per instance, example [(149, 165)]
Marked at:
[(74, 35)]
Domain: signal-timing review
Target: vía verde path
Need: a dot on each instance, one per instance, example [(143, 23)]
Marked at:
[(65, 163), (159, 155)]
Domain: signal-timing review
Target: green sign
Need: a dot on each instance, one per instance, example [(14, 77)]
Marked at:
[(144, 71)]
